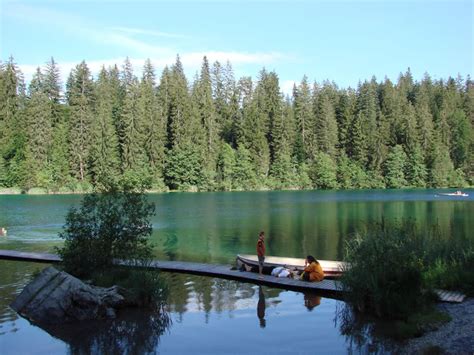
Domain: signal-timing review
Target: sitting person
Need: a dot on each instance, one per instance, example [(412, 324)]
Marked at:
[(312, 270)]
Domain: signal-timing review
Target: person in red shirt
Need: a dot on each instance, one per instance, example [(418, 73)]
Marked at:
[(261, 252)]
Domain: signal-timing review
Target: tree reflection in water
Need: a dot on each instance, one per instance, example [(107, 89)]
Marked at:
[(364, 334), (135, 331)]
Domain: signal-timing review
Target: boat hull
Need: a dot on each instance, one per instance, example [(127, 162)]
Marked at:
[(332, 269)]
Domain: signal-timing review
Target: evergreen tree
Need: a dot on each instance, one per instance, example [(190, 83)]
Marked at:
[(225, 167), (441, 166), (154, 124), (80, 94), (132, 123), (344, 116), (244, 176), (39, 133), (184, 165), (202, 97), (367, 124), (105, 164), (415, 169), (60, 170), (12, 123), (304, 117), (323, 172), (326, 125), (394, 168)]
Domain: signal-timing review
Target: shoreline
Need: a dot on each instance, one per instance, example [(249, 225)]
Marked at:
[(454, 337), (43, 192)]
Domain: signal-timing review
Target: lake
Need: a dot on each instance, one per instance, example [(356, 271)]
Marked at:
[(217, 316)]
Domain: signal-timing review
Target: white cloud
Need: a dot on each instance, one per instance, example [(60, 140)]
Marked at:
[(191, 62), (137, 48), (286, 86)]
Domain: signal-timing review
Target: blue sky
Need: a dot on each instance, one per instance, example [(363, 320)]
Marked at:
[(343, 41)]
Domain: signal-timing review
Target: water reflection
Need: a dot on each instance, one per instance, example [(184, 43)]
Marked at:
[(363, 334), (261, 307), (135, 331), (214, 227), (311, 300)]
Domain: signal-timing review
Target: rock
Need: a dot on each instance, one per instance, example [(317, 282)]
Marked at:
[(55, 297)]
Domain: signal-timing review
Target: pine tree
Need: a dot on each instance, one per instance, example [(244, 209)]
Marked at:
[(304, 117), (344, 116), (60, 169), (39, 133), (415, 169), (154, 124), (323, 171), (367, 119), (326, 125), (105, 164), (202, 97), (80, 94), (225, 167), (394, 168), (244, 176), (12, 123), (132, 124), (185, 134)]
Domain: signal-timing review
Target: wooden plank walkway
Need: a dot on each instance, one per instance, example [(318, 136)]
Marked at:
[(450, 296), (329, 288)]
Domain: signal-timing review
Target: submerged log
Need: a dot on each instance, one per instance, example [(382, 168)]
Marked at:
[(55, 297)]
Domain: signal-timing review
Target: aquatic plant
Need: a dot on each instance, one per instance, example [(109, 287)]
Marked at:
[(395, 267)]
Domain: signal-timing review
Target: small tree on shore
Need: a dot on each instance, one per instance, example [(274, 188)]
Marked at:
[(114, 224)]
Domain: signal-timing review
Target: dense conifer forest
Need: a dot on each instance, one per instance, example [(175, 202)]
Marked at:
[(223, 133)]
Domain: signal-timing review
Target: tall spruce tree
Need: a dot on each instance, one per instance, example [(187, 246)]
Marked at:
[(154, 124), (80, 95), (202, 97), (105, 163), (304, 118), (326, 125)]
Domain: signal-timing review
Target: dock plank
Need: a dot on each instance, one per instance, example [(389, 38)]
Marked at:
[(330, 288)]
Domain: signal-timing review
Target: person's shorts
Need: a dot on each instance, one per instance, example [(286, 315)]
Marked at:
[(261, 260)]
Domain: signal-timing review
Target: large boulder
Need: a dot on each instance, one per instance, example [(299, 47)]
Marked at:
[(55, 297)]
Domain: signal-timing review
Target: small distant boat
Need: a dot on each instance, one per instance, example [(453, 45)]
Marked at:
[(455, 194), (332, 269)]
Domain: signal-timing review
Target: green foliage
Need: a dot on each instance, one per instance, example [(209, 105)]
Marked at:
[(385, 276), (144, 287), (394, 168), (183, 169), (323, 172), (118, 124), (107, 226), (395, 267)]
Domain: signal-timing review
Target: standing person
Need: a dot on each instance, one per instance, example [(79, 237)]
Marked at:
[(261, 252)]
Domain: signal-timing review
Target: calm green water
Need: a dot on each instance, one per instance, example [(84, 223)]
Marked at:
[(211, 315), (214, 227)]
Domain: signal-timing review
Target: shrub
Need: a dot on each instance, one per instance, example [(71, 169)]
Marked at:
[(107, 226), (385, 277), (395, 267)]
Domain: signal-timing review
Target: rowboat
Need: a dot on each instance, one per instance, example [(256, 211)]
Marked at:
[(332, 269)]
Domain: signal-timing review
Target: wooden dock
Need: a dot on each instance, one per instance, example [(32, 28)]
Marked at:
[(329, 288)]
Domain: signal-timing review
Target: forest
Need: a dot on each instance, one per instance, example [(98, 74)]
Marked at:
[(220, 133)]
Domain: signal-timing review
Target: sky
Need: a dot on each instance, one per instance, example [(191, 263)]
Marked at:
[(342, 41)]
